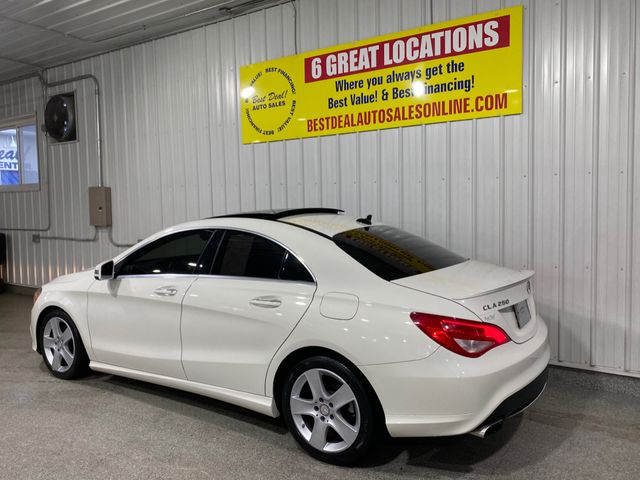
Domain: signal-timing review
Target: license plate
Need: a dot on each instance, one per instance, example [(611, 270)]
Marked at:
[(523, 315)]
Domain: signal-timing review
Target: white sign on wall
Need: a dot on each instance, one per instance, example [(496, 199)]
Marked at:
[(9, 160)]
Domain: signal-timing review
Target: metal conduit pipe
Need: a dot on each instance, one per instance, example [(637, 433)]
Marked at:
[(45, 85)]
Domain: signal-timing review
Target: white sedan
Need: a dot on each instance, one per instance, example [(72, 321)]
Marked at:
[(346, 328)]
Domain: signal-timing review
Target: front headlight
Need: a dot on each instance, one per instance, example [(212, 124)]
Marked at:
[(36, 294)]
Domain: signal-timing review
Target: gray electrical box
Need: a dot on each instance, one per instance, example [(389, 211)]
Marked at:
[(100, 206)]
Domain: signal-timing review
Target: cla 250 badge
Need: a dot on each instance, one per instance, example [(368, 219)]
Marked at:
[(499, 303)]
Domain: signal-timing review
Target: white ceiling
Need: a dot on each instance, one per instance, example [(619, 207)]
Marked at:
[(35, 34)]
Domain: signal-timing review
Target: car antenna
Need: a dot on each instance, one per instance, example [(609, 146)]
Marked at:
[(366, 221)]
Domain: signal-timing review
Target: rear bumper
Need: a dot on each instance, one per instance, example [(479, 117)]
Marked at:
[(519, 401), (447, 394)]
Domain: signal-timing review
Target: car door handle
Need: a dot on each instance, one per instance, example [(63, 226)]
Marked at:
[(166, 291), (266, 302)]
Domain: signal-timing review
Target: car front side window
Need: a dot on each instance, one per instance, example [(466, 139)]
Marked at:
[(178, 253)]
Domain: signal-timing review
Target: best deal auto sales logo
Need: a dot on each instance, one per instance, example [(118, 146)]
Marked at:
[(269, 101)]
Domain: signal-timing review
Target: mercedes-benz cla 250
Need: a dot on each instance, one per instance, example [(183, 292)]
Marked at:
[(344, 327)]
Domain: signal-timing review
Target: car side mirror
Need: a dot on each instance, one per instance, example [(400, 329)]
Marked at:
[(104, 271)]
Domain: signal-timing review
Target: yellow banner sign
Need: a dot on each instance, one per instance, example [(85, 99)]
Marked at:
[(456, 70)]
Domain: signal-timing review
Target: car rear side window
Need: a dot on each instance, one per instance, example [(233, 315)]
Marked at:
[(392, 253), (244, 254), (293, 270), (177, 254)]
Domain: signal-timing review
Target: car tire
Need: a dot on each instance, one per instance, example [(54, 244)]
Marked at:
[(328, 410), (61, 346)]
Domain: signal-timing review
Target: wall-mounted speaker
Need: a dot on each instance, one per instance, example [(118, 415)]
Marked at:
[(60, 117)]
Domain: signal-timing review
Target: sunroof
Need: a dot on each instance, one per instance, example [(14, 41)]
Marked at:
[(282, 213)]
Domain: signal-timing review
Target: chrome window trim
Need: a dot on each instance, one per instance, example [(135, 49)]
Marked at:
[(159, 275), (216, 277), (259, 279)]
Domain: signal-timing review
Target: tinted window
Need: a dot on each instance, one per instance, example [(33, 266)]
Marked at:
[(243, 254), (292, 269), (178, 253), (206, 259), (392, 253)]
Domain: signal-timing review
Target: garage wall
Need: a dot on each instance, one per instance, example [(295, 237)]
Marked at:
[(556, 189)]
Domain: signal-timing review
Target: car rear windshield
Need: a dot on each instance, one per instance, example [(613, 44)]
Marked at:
[(392, 253)]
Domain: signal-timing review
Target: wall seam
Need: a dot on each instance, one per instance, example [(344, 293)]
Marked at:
[(562, 172), (531, 134), (630, 187), (595, 190), (207, 71)]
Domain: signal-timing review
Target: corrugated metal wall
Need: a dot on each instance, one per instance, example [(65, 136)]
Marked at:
[(556, 189)]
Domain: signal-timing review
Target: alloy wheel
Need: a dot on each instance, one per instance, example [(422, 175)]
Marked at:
[(58, 344), (325, 410)]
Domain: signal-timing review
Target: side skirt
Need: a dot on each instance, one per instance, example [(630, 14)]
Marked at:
[(257, 403)]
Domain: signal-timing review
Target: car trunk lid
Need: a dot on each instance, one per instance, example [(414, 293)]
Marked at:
[(497, 295)]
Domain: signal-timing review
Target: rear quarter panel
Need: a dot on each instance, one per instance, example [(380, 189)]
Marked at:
[(380, 332)]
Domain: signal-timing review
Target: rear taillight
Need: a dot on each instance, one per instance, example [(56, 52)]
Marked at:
[(464, 337)]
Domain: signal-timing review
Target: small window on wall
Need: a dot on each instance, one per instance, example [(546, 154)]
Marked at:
[(19, 155)]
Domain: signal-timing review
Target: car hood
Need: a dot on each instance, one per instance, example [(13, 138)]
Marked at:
[(465, 280), (78, 280)]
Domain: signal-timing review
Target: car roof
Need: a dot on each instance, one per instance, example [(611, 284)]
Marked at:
[(325, 222)]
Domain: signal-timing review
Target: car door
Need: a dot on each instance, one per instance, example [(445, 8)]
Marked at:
[(236, 318), (134, 319)]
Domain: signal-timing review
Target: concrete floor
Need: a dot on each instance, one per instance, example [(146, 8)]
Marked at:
[(584, 426)]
